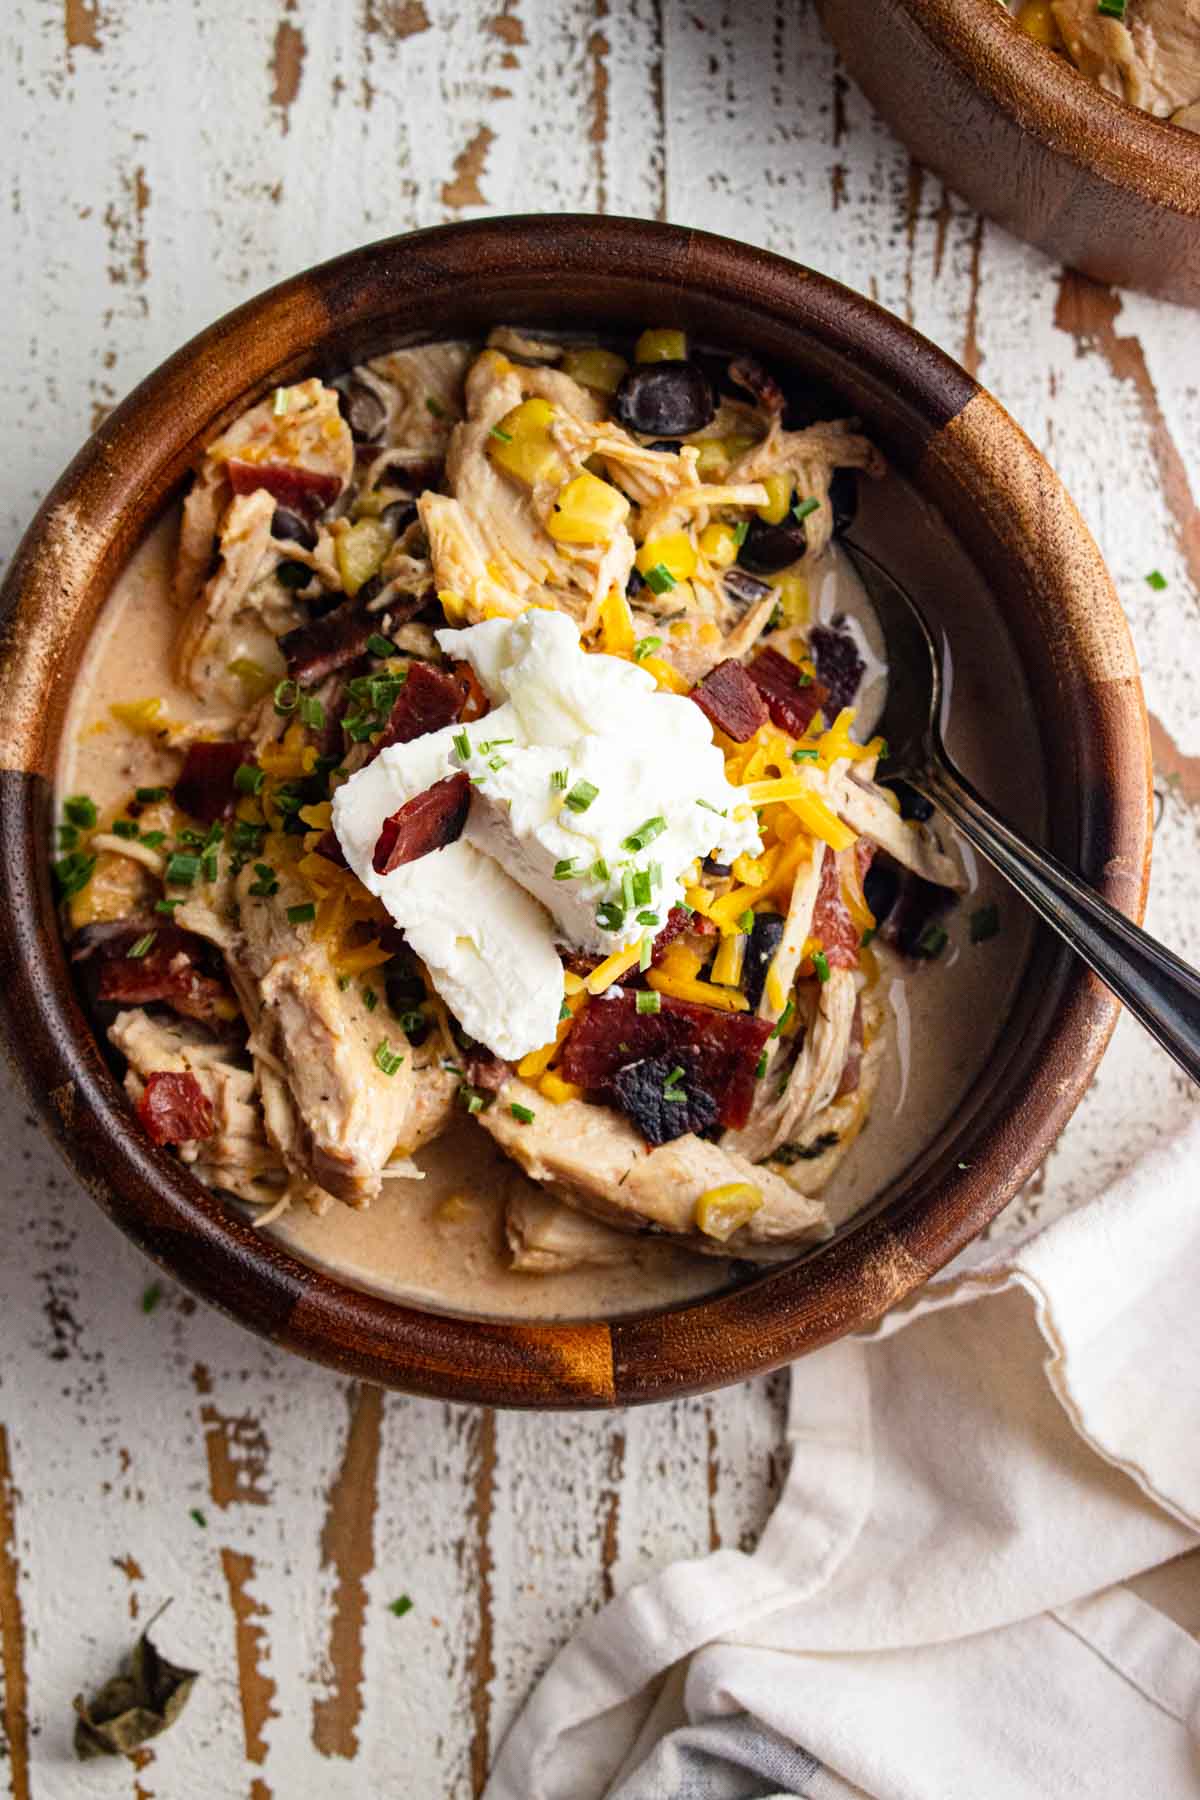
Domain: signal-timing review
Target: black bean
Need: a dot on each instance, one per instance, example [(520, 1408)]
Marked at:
[(912, 805), (881, 885), (717, 868), (768, 548), (765, 939), (291, 527), (843, 498), (363, 410), (399, 514), (293, 575), (669, 446), (747, 590), (635, 584), (369, 590), (664, 399)]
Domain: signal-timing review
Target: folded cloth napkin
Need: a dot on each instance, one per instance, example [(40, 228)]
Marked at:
[(943, 1605)]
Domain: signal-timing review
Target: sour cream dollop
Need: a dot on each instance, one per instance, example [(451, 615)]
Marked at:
[(593, 792)]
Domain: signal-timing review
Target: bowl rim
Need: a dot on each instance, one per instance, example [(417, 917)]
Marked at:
[(1048, 97), (80, 537)]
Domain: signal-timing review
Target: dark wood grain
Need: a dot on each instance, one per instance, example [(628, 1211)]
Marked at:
[(962, 452), (1028, 140)]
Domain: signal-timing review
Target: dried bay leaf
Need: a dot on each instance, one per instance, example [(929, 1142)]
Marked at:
[(134, 1706)]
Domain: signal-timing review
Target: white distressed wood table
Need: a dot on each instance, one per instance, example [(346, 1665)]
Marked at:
[(167, 159)]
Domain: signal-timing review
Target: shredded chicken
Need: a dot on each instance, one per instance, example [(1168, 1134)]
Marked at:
[(813, 1078), (1151, 58), (809, 457)]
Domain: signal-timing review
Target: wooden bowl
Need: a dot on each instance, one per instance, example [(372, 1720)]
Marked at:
[(1030, 141), (1047, 589)]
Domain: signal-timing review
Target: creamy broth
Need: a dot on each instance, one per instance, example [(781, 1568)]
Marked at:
[(439, 1241)]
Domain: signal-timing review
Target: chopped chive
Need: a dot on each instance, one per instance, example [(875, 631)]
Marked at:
[(379, 645), (739, 532), (370, 999), (343, 983), (559, 780), (645, 834), (600, 870), (148, 796), (648, 1001), (646, 647), (124, 828), (803, 754), (73, 873), (782, 1022), (760, 1067), (266, 885), (401, 1606), (820, 963), (646, 950), (611, 915), (280, 401), (659, 579), (1111, 9), (566, 868), (497, 762), (151, 1296), (641, 888), (493, 744), (286, 697), (474, 1099), (1156, 580), (198, 1518), (654, 870), (136, 951), (312, 713), (248, 778), (462, 745), (523, 1113), (166, 906), (746, 920), (433, 406), (68, 836), (181, 869), (152, 839), (214, 834), (984, 924), (386, 1058), (627, 890), (933, 941), (671, 1088), (303, 914), (721, 812), (505, 437), (581, 796), (80, 809), (804, 677), (866, 937), (776, 618), (649, 918), (564, 1013), (247, 838), (803, 509)]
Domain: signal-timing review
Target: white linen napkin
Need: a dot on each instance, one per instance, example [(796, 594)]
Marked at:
[(941, 1604)]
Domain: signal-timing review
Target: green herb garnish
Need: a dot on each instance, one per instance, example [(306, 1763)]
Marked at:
[(709, 807), (611, 915), (370, 999), (142, 948), (659, 579), (151, 1296), (198, 1518), (248, 778), (984, 924), (820, 963), (760, 1067), (304, 914), (600, 870), (866, 937), (739, 532), (645, 834), (152, 839), (805, 755), (80, 809), (124, 828), (932, 941), (462, 745), (648, 1001), (566, 868), (286, 697), (784, 1018), (671, 1088), (148, 796), (312, 713), (522, 1113), (803, 509), (401, 1606), (378, 645), (646, 647), (433, 406), (641, 888), (1111, 9), (166, 906), (581, 796), (746, 920), (559, 780), (182, 869), (646, 951), (1156, 580), (505, 437), (387, 1059)]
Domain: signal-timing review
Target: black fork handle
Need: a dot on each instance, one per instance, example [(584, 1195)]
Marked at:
[(1156, 986)]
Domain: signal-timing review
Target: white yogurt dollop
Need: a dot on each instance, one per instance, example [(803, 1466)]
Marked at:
[(592, 793)]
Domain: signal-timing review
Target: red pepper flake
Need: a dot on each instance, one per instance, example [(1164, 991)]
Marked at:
[(205, 788), (427, 822), (308, 491), (791, 701), (174, 1109), (731, 700)]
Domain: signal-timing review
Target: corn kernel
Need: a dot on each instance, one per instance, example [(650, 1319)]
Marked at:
[(674, 550), (719, 545), (1036, 18), (661, 346), (666, 676), (145, 716), (595, 368), (779, 498), (616, 624), (521, 444), (680, 962), (723, 1210), (712, 457), (791, 591), (727, 963), (588, 512)]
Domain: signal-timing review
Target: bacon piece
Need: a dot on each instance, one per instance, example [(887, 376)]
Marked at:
[(168, 972), (791, 702), (731, 700), (831, 921), (487, 1071), (839, 666), (329, 847), (174, 1109), (331, 642), (749, 374), (307, 491), (427, 822), (429, 700), (205, 789), (722, 1048), (677, 921)]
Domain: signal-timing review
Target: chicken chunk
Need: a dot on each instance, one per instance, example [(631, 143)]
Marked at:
[(1151, 58), (814, 1076)]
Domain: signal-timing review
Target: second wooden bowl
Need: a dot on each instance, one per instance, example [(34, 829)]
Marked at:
[(1028, 140)]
